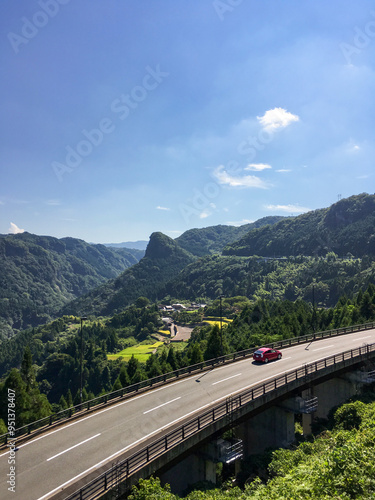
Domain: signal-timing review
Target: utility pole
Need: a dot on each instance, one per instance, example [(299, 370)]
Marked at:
[(81, 381), (221, 326), (313, 299)]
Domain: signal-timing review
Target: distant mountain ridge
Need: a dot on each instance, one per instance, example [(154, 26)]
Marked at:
[(38, 274), (188, 265), (347, 226), (213, 239)]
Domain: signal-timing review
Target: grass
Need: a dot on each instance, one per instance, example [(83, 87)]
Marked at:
[(140, 352)]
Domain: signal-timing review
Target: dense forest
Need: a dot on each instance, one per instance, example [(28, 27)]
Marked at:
[(290, 278), (163, 259), (209, 240), (284, 277), (329, 250), (288, 270), (345, 227), (55, 347), (39, 274)]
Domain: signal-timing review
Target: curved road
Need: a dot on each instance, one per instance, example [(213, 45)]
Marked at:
[(52, 461)]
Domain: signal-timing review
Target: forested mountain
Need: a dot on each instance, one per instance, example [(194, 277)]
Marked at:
[(163, 260), (259, 278), (347, 226), (39, 274), (208, 240)]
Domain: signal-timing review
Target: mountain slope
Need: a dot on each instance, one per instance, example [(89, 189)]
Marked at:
[(163, 259), (38, 274), (347, 226), (213, 239)]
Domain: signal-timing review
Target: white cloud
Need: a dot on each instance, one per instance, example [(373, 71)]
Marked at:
[(288, 208), (162, 208), (246, 181), (13, 229), (282, 170), (353, 147), (205, 214), (53, 203), (257, 167), (277, 118)]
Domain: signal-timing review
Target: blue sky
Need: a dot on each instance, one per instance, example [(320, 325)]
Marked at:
[(121, 118)]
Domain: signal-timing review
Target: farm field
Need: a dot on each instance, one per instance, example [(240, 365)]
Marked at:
[(140, 352), (216, 321)]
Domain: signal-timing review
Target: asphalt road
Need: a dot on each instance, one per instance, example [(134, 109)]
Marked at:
[(52, 461)]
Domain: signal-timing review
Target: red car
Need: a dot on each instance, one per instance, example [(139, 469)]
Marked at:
[(265, 354)]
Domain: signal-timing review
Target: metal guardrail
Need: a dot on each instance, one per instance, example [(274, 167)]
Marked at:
[(129, 466), (129, 391)]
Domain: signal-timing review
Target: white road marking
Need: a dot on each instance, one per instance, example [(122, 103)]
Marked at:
[(225, 379), (361, 338), (75, 446), (321, 348), (156, 407), (44, 497), (117, 453), (112, 407)]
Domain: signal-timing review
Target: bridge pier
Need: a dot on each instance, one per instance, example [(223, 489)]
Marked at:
[(273, 428), (193, 469), (335, 392), (331, 393)]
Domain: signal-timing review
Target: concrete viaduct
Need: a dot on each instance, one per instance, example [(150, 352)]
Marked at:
[(177, 427)]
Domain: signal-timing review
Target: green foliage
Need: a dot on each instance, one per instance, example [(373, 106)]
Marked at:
[(151, 489), (39, 274), (30, 404), (349, 416), (163, 259), (209, 240), (336, 464), (255, 278), (347, 227)]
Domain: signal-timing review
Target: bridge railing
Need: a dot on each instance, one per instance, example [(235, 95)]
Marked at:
[(134, 463), (144, 385)]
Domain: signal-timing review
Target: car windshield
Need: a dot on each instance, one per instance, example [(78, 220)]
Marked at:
[(259, 352)]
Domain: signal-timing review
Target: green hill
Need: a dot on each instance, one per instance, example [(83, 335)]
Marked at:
[(163, 259), (208, 240), (347, 226), (39, 274), (256, 278)]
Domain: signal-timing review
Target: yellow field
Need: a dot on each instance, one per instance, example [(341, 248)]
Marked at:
[(165, 332), (140, 352), (215, 321)]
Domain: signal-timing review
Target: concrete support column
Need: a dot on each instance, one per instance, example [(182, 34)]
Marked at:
[(272, 428), (334, 392), (189, 471), (307, 418)]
